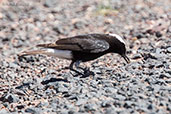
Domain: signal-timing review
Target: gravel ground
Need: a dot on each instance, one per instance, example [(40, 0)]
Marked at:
[(36, 84)]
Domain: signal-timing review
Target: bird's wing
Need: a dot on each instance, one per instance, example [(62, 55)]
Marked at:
[(79, 44)]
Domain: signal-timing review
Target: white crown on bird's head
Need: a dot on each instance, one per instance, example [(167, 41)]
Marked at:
[(118, 37)]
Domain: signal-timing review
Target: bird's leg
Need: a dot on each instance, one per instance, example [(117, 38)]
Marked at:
[(77, 63), (86, 70), (71, 66)]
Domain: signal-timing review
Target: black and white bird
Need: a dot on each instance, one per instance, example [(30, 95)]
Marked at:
[(83, 48)]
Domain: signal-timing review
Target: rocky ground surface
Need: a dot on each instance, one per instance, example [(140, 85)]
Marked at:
[(36, 84)]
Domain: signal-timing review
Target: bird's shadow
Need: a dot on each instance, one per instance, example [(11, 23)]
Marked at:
[(53, 80)]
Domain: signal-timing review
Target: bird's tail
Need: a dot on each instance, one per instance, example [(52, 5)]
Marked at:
[(50, 45), (34, 52), (40, 51)]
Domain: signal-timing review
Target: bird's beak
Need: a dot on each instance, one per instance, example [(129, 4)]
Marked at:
[(126, 58)]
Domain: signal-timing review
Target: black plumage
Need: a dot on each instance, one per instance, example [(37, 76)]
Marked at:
[(85, 47)]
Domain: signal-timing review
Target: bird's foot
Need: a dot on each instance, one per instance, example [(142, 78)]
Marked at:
[(77, 73), (86, 72)]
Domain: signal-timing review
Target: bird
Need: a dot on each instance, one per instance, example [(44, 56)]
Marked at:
[(82, 48)]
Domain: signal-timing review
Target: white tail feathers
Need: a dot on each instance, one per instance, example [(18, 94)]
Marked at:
[(64, 54)]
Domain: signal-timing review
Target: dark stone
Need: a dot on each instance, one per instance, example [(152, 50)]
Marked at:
[(150, 107), (60, 29), (127, 105), (9, 98), (73, 97), (5, 39), (137, 56), (158, 34), (20, 107), (162, 76), (29, 110), (23, 85), (79, 25), (159, 65), (71, 112), (105, 104), (148, 55), (140, 35), (151, 66)]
